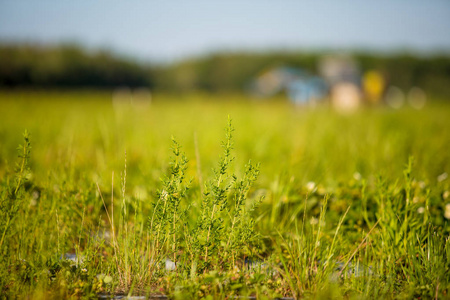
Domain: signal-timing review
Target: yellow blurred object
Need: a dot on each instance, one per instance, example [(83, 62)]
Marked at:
[(374, 84)]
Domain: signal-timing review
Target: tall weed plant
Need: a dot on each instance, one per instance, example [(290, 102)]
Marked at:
[(223, 227)]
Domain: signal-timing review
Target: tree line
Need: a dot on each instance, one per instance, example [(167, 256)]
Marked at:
[(71, 66)]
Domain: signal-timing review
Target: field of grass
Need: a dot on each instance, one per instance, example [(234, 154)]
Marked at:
[(219, 196)]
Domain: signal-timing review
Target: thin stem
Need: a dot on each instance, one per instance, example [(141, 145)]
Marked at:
[(357, 249), (22, 167)]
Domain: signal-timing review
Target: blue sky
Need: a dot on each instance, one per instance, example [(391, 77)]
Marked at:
[(167, 30)]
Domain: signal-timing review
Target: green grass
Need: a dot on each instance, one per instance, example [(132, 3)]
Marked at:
[(283, 201)]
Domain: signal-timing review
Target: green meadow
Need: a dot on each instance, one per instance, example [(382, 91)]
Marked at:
[(218, 196)]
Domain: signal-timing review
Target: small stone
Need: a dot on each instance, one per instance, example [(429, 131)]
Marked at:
[(170, 265)]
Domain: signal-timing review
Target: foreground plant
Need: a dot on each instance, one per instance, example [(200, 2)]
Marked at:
[(220, 229), (186, 234), (225, 224)]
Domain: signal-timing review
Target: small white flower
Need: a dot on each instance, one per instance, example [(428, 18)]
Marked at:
[(442, 177), (321, 191), (314, 221), (310, 186), (445, 195), (107, 279), (36, 195), (421, 210), (357, 176), (447, 211)]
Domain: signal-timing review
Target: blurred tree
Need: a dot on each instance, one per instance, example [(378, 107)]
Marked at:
[(71, 66), (68, 66)]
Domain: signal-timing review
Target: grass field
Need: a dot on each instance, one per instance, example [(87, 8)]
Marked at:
[(162, 199)]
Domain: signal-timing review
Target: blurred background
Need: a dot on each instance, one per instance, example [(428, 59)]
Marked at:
[(345, 105), (346, 53)]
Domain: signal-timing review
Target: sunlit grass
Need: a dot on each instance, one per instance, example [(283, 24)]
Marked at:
[(352, 205)]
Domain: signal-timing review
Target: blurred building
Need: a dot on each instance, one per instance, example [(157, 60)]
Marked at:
[(344, 79), (301, 87), (341, 82), (339, 68)]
